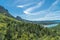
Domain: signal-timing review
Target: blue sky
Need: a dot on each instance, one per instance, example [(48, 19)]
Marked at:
[(34, 10)]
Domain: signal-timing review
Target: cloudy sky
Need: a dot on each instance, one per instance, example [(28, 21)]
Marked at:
[(34, 10)]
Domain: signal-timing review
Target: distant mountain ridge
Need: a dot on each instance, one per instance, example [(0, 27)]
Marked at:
[(47, 22), (19, 18), (39, 22)]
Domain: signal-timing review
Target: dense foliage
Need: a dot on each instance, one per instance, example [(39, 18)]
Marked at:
[(12, 29)]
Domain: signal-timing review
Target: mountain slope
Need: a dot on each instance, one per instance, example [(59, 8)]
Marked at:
[(5, 11), (13, 29)]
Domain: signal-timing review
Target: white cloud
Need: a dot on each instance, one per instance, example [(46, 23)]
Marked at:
[(34, 7), (36, 13), (20, 6), (29, 10), (48, 16), (25, 5), (26, 12), (53, 5)]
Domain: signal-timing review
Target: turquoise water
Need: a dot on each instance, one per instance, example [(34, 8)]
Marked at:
[(51, 25)]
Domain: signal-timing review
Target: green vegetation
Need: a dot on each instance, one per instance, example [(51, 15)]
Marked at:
[(12, 29)]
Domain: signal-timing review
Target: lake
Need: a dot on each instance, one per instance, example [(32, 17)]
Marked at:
[(51, 25)]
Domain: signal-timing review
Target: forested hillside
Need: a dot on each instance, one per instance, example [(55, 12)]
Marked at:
[(13, 29)]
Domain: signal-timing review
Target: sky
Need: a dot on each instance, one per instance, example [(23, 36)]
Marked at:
[(33, 10)]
